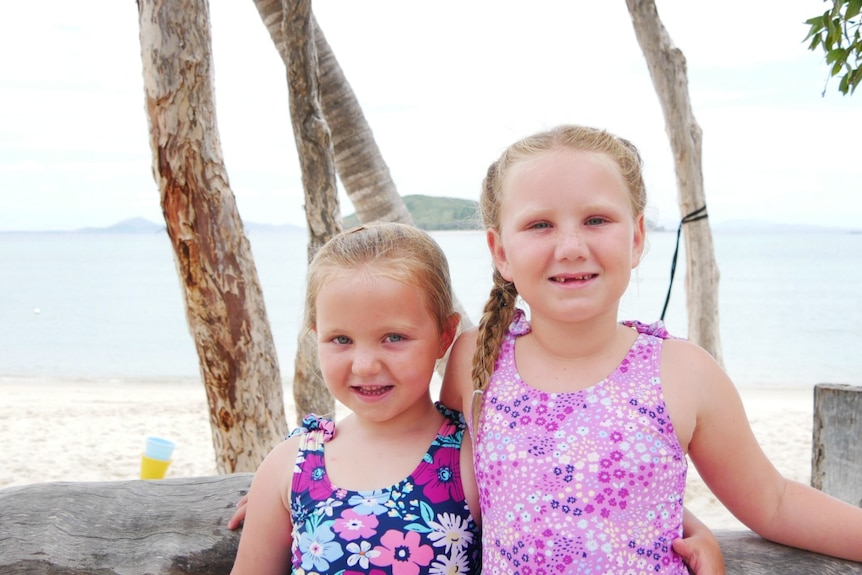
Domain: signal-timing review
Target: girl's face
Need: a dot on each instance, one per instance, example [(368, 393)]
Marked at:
[(378, 344), (567, 238)]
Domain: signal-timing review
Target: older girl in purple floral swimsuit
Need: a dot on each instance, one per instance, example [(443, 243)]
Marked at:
[(582, 424)]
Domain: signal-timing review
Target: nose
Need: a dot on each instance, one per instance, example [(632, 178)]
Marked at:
[(365, 362), (570, 245)]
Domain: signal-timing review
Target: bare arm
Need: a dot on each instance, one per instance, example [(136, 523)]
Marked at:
[(733, 465), (457, 386), (264, 546)]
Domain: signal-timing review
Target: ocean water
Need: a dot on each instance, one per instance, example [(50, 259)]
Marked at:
[(109, 306)]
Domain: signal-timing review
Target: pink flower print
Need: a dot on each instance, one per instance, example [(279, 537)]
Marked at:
[(313, 478), (402, 552), (447, 429), (352, 526), (441, 477)]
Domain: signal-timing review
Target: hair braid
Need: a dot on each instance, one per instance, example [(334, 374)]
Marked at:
[(496, 317)]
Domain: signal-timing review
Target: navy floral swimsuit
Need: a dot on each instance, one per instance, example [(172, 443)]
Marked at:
[(421, 525)]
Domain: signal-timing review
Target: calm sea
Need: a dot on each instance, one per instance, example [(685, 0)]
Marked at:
[(110, 307)]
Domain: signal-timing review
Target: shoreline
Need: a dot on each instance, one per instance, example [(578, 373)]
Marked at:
[(81, 430)]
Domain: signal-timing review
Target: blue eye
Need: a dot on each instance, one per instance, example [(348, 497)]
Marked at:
[(394, 337), (596, 221), (341, 339)]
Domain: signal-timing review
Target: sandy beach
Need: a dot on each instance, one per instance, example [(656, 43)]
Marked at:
[(84, 430)]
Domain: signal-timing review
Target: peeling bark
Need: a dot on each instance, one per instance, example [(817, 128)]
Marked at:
[(224, 301)]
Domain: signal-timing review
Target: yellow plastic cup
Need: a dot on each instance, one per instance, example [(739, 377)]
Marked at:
[(153, 468)]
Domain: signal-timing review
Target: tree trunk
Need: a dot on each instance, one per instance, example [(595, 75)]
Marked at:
[(359, 164), (667, 68), (224, 302), (358, 160), (314, 146)]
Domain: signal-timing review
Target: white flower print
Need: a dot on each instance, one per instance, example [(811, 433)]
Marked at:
[(450, 531), (360, 553), (454, 565)]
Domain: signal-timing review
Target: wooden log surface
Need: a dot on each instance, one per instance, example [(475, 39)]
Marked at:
[(177, 526), (172, 526)]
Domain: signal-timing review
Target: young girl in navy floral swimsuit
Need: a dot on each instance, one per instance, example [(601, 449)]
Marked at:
[(391, 488)]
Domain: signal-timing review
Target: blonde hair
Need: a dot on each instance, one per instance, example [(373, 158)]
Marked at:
[(397, 251), (500, 307)]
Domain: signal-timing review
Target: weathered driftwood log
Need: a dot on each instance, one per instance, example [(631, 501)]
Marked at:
[(836, 455), (177, 526), (174, 526)]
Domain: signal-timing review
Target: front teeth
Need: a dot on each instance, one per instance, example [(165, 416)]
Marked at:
[(378, 390)]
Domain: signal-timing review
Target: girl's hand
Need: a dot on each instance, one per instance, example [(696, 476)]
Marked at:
[(701, 553), (698, 547), (239, 515)]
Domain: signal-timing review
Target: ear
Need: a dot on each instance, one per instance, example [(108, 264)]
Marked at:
[(448, 335), (498, 253), (638, 240)]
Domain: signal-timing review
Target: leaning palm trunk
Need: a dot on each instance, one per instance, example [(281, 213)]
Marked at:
[(314, 145), (224, 302), (668, 71), (358, 160), (359, 164)]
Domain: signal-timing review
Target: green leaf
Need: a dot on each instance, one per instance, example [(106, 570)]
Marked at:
[(838, 55), (853, 8), (815, 41), (844, 85)]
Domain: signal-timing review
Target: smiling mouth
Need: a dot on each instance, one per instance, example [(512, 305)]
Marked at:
[(372, 390), (567, 279)]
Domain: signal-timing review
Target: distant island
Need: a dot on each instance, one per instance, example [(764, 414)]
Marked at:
[(432, 213)]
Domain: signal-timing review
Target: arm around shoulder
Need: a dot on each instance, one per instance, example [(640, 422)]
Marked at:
[(457, 388), (264, 546)]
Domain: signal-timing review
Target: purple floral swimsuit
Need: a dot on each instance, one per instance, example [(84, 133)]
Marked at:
[(421, 525), (589, 481)]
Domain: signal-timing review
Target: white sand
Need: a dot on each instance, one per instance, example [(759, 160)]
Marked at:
[(81, 430)]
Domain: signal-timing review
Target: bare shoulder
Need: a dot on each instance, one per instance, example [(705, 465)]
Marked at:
[(692, 384), (465, 344), (276, 471)]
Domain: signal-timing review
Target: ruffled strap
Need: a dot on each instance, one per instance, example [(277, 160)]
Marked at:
[(520, 324), (656, 329), (456, 418), (312, 422)]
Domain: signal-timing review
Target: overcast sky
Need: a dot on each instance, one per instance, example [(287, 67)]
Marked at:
[(445, 87)]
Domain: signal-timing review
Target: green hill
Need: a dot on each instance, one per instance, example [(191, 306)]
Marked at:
[(436, 213)]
